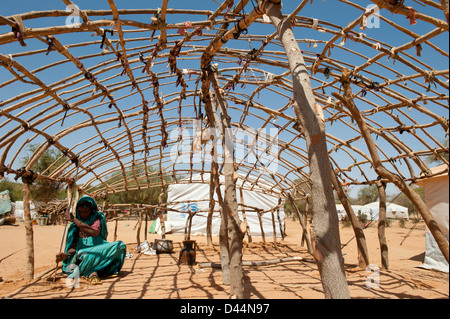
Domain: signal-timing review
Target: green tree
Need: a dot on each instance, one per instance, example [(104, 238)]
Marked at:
[(434, 159), (366, 194), (15, 189), (402, 200), (289, 210), (137, 196), (43, 190)]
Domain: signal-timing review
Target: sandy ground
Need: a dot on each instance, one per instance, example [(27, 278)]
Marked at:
[(159, 276)]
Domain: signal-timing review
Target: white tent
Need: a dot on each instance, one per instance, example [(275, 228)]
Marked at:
[(194, 196), (436, 197), (19, 210), (372, 211), (342, 213)]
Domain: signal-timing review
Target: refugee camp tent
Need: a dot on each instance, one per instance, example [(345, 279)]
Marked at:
[(5, 205), (436, 197), (372, 211), (193, 194), (342, 213), (19, 212)]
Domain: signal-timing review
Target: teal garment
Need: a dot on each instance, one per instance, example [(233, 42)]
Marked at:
[(93, 254)]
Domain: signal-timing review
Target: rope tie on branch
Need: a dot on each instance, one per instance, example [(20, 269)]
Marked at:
[(50, 45), (28, 176), (66, 107), (430, 79), (19, 30), (104, 36), (412, 16), (239, 31)]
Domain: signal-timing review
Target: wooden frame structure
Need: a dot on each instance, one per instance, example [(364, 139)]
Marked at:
[(119, 91)]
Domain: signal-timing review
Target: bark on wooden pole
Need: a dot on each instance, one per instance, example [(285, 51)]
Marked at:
[(274, 228), (326, 224), (115, 225), (445, 5), (244, 216), (259, 214), (382, 225), (161, 212), (223, 232), (363, 253), (212, 204), (303, 223), (145, 224), (138, 232), (280, 224), (27, 180), (230, 205), (213, 175)]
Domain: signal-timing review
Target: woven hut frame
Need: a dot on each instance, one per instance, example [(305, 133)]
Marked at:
[(123, 90)]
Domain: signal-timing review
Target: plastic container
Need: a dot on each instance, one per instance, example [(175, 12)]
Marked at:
[(42, 221)]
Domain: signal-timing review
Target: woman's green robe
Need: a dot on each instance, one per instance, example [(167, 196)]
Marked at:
[(93, 254)]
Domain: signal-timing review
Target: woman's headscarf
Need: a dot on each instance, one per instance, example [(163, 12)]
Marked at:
[(88, 221)]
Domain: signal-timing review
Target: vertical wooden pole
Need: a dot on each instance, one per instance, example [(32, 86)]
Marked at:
[(29, 240), (116, 225), (361, 243), (146, 224), (138, 232), (274, 228), (326, 224), (161, 214), (230, 206), (223, 232), (212, 203), (261, 226), (382, 225), (280, 224), (214, 170), (305, 235), (244, 216)]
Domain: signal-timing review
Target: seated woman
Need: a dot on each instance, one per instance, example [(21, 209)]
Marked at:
[(87, 253)]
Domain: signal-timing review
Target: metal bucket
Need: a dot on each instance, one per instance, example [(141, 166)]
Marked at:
[(163, 246)]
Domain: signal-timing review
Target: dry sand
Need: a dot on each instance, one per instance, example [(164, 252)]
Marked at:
[(159, 276)]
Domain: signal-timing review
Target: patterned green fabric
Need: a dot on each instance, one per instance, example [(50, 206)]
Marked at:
[(93, 254)]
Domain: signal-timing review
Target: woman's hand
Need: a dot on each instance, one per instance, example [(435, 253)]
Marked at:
[(60, 257), (69, 217), (63, 256)]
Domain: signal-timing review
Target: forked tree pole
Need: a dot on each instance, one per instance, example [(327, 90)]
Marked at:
[(230, 205), (223, 233), (347, 101), (326, 224)]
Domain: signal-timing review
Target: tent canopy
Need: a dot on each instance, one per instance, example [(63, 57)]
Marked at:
[(5, 202), (436, 191)]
